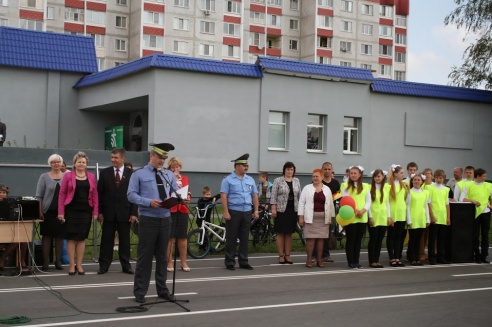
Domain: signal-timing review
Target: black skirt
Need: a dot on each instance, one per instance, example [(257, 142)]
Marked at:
[(77, 224), (286, 221), (51, 226), (181, 230)]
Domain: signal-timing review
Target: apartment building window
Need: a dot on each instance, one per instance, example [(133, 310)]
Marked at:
[(293, 44), (118, 63), (232, 7), (206, 50), (346, 26), (120, 45), (366, 66), (4, 3), (324, 42), (325, 21), (182, 3), (277, 130), (347, 6), (275, 3), (257, 1), (3, 22), (401, 21), (232, 29), (294, 4), (385, 70), (122, 2), (121, 21), (400, 57), (257, 39), (385, 30), (257, 17), (230, 51), (155, 18), (180, 47), (74, 14), (50, 13), (95, 17), (345, 46), (324, 60), (100, 64), (386, 11), (351, 126), (153, 41), (401, 39), (325, 3), (294, 24), (29, 24), (385, 50), (366, 49), (38, 4), (98, 40), (207, 27), (345, 64), (400, 75), (274, 20), (181, 24), (367, 9), (367, 29), (315, 132), (207, 5)]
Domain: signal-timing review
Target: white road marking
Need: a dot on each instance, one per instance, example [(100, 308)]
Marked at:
[(149, 296), (465, 275)]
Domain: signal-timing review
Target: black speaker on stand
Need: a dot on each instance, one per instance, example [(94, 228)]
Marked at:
[(459, 247)]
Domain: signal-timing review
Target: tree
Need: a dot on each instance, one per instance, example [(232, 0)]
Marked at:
[(476, 17)]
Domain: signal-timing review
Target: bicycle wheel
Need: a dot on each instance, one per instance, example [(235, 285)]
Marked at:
[(195, 249), (300, 232), (217, 244), (263, 232)]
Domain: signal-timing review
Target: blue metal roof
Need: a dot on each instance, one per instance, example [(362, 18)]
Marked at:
[(172, 62), (302, 67), (431, 90), (51, 51)]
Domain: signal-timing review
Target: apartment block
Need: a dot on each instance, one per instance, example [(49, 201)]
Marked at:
[(370, 34)]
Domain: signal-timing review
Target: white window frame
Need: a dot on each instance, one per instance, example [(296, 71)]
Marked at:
[(207, 27), (154, 18), (182, 3), (153, 41), (385, 70), (4, 3), (274, 20), (401, 39), (347, 6), (348, 135), (277, 3), (367, 29), (366, 49), (345, 63), (38, 4), (324, 60), (294, 24), (231, 29), (120, 45), (385, 30), (294, 5), (31, 24), (100, 63), (4, 22), (367, 9), (122, 2), (325, 3), (345, 46), (386, 50), (123, 22), (180, 47), (400, 75), (206, 50), (329, 42), (366, 66), (98, 40), (207, 5), (181, 24), (231, 51), (293, 44), (316, 123), (50, 13), (257, 17), (346, 26), (233, 7), (119, 63), (325, 21), (400, 57), (74, 14), (401, 21), (273, 128), (95, 17), (386, 11)]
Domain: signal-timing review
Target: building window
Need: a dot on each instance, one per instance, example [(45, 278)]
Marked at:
[(3, 22), (181, 24), (29, 24), (100, 64), (345, 64), (351, 128), (4, 3), (294, 4), (401, 39), (367, 9), (275, 2), (98, 40), (324, 60), (385, 30), (325, 3), (294, 24), (207, 27), (315, 132), (50, 12), (324, 42), (385, 70), (366, 66), (38, 4), (122, 2), (325, 21), (346, 26), (152, 41), (400, 75), (366, 49), (277, 130), (257, 17), (346, 6), (95, 17), (232, 7), (274, 20), (401, 21), (180, 47), (345, 46), (230, 51), (74, 14), (293, 44), (385, 50), (207, 5), (386, 11), (120, 45), (182, 3), (257, 1), (257, 39), (152, 17), (400, 57), (118, 63), (121, 21), (232, 29), (367, 29), (206, 50)]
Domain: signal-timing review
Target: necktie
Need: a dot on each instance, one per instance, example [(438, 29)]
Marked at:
[(160, 185), (117, 178)]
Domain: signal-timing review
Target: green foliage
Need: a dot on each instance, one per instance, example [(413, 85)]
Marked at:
[(476, 17)]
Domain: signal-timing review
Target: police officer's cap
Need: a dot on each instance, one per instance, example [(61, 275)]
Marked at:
[(162, 149), (242, 159)]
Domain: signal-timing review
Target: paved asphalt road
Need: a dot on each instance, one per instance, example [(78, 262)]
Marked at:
[(270, 295)]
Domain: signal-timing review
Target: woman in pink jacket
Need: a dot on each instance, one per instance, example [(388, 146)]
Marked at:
[(77, 204)]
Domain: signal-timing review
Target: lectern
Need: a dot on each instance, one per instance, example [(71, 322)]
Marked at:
[(459, 247)]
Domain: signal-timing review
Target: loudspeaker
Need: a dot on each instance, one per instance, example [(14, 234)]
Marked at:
[(459, 247)]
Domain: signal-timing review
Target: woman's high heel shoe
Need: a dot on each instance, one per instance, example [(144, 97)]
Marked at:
[(185, 269), (320, 263), (288, 261), (79, 272)]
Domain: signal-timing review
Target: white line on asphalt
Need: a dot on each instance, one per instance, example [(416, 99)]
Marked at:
[(465, 275), (263, 307), (149, 296)]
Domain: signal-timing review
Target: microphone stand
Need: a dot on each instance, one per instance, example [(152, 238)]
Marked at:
[(173, 297)]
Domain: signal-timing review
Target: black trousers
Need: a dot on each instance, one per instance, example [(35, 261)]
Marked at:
[(481, 228), (394, 241), (107, 244), (153, 238), (354, 234), (237, 227), (376, 236), (414, 243), (437, 234)]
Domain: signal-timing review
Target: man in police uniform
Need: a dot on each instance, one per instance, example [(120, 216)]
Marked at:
[(238, 194), (148, 188)]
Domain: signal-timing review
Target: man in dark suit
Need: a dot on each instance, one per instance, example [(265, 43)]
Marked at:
[(3, 133), (115, 212)]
